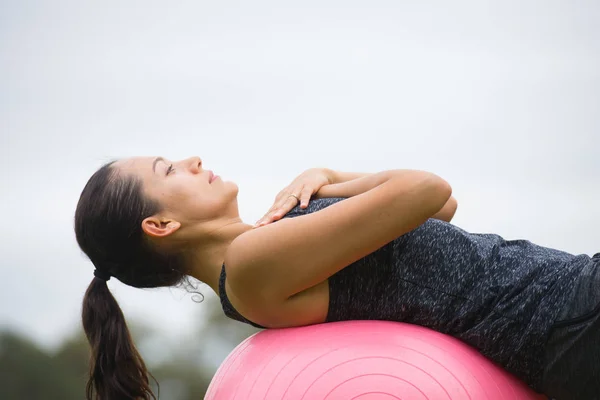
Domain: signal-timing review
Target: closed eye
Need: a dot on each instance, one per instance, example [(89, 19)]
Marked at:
[(170, 169)]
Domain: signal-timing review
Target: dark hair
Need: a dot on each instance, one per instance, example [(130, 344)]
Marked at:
[(108, 227)]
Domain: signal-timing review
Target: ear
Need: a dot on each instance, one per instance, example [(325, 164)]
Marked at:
[(157, 227)]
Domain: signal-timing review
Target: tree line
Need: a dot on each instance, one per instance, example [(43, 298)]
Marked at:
[(183, 370)]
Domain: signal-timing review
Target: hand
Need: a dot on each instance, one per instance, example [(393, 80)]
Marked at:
[(299, 191)]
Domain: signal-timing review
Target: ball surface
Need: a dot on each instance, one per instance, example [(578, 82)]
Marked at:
[(366, 360)]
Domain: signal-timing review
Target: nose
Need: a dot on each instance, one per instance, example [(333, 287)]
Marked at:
[(194, 164)]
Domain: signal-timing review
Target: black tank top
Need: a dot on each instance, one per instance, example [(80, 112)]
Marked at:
[(497, 295)]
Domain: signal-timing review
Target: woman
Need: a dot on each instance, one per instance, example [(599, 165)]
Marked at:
[(366, 246)]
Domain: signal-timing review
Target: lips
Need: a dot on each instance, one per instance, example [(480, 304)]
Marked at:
[(212, 177)]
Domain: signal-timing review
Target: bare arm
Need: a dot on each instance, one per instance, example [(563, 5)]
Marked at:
[(447, 212), (341, 187), (271, 264), (341, 177)]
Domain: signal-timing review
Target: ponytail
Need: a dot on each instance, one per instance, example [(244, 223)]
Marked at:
[(117, 370)]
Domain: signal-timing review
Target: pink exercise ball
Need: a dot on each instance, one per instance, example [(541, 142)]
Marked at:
[(366, 360)]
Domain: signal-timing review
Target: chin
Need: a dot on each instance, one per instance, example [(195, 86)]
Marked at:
[(232, 187)]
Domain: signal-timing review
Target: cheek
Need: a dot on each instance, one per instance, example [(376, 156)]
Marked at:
[(173, 198), (183, 187), (201, 198)]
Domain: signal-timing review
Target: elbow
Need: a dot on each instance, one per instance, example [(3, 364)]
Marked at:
[(447, 212), (445, 189), (452, 206), (430, 192), (441, 200), (442, 189)]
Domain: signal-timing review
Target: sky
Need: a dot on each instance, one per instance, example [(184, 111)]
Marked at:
[(500, 98)]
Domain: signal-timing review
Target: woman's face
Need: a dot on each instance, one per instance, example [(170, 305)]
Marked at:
[(187, 192)]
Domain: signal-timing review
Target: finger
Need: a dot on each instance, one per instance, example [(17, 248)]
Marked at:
[(283, 194), (295, 196), (268, 217), (281, 199), (263, 219), (285, 208), (283, 203), (305, 197), (269, 213), (262, 222), (284, 200), (289, 203)]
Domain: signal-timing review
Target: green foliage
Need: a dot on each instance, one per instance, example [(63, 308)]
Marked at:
[(27, 372), (30, 372)]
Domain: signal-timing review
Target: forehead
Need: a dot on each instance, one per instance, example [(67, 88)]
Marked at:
[(136, 165)]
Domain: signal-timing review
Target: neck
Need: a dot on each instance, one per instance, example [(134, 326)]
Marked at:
[(205, 260)]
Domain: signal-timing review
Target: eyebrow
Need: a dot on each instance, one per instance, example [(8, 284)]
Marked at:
[(156, 160)]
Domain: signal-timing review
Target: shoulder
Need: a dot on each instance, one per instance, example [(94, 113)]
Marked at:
[(255, 257), (249, 247)]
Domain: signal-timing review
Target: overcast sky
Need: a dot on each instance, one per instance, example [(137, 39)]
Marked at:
[(501, 98)]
